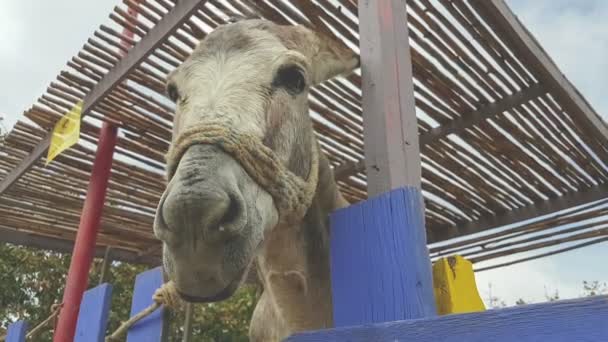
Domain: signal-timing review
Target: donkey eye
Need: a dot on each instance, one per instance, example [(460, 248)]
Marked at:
[(172, 92), (290, 77)]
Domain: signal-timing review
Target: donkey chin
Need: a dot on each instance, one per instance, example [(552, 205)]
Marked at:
[(212, 219)]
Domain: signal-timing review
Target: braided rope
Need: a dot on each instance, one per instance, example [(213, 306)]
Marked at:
[(292, 195), (166, 295)]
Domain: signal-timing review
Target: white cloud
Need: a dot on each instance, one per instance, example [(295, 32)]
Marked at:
[(575, 35), (11, 30), (36, 40)]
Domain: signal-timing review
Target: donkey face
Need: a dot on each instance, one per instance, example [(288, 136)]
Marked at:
[(254, 77)]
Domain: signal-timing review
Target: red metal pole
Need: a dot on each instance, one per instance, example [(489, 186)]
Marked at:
[(84, 247)]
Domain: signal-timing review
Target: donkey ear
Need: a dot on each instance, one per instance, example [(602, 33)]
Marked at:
[(332, 59), (328, 57)]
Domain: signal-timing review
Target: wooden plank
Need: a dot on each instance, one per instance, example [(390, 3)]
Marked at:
[(544, 255), (536, 58), (380, 265), (455, 286), (21, 238), (66, 246), (389, 116), (550, 206), (150, 328), (93, 315), (488, 111), (455, 126), (17, 332), (563, 321), (156, 36)]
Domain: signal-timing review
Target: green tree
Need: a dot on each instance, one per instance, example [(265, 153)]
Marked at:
[(594, 288), (32, 280), (551, 297), (493, 301), (520, 301), (590, 288)]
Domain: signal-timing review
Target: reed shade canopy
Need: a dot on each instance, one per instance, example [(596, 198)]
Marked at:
[(506, 141)]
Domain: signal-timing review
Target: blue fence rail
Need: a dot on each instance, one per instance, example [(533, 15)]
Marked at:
[(382, 287), (95, 308), (382, 291), (562, 321)]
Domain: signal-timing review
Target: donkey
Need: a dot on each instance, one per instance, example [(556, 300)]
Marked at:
[(247, 181)]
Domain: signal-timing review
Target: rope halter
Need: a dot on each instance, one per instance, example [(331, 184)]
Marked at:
[(292, 195)]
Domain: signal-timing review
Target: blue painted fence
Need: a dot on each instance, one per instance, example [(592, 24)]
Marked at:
[(382, 287), (380, 265), (561, 321), (382, 291), (95, 308)]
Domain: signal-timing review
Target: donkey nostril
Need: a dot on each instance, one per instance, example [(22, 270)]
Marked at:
[(231, 213)]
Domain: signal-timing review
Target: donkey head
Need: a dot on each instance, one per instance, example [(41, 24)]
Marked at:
[(243, 153)]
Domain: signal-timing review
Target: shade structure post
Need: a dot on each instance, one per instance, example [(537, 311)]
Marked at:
[(390, 128), (84, 247), (380, 265)]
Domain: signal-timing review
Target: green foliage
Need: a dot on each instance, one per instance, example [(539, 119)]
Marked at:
[(492, 301), (551, 297), (594, 288), (218, 322), (590, 288), (32, 280), (520, 301)]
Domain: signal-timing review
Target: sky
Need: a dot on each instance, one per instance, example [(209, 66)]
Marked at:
[(574, 34), (38, 37)]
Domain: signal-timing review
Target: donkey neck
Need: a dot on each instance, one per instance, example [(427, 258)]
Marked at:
[(294, 265)]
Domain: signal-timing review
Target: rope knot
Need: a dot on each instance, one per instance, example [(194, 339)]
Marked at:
[(168, 296), (292, 194)]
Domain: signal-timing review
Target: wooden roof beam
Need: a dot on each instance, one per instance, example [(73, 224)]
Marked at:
[(531, 53), (182, 11), (547, 207), (456, 126), (483, 113), (66, 246)]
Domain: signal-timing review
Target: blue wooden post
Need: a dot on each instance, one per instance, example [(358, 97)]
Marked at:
[(93, 315), (17, 332), (149, 329), (380, 265)]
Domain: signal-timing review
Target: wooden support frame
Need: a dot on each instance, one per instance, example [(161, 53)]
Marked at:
[(486, 112), (516, 34), (392, 153), (380, 265), (66, 246), (571, 320), (155, 37), (550, 206), (456, 126)]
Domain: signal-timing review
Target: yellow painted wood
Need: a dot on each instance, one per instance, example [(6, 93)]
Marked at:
[(454, 286)]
